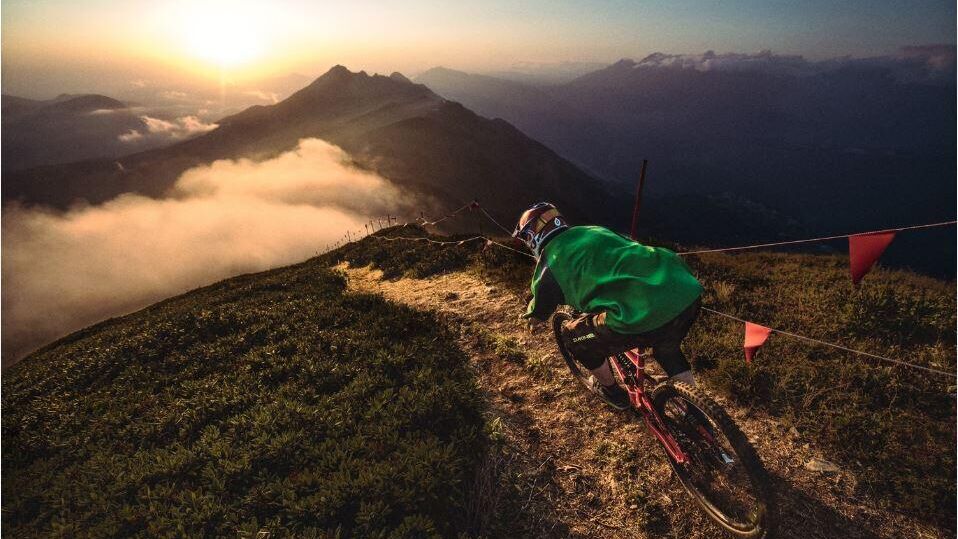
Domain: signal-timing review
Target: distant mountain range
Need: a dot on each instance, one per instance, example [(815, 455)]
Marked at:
[(391, 125), (833, 146), (67, 128), (743, 148)]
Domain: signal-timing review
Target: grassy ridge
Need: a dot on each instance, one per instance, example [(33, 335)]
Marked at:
[(271, 400), (894, 427), (278, 400)]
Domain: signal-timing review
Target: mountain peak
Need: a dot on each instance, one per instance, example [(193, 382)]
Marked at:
[(340, 74), (341, 91), (337, 72), (399, 77), (84, 103)]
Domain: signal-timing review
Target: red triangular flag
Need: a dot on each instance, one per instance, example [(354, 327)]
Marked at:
[(755, 337), (864, 250)]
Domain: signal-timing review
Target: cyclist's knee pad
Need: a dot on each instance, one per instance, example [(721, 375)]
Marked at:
[(582, 338)]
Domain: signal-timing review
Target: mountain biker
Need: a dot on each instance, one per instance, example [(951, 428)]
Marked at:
[(631, 295)]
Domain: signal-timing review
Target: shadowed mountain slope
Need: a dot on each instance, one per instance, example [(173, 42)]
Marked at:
[(388, 124), (69, 127), (842, 145)]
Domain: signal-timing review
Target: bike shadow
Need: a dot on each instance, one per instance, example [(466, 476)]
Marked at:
[(802, 516)]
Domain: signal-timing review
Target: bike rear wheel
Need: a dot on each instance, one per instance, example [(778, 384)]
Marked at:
[(723, 473)]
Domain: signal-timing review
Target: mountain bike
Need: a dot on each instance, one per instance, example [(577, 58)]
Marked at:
[(713, 460)]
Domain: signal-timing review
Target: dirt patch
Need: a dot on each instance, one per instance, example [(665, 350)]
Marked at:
[(565, 465)]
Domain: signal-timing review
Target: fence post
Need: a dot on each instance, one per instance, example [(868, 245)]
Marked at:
[(638, 200)]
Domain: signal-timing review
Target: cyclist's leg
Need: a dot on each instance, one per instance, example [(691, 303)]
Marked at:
[(667, 345), (583, 340), (588, 339), (669, 355)]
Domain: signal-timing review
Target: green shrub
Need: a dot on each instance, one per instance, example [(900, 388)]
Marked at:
[(274, 401)]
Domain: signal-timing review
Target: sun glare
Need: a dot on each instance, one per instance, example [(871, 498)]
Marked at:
[(223, 34)]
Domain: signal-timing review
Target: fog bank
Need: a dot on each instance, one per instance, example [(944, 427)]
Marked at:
[(63, 271)]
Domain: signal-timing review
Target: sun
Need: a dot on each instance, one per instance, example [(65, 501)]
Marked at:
[(224, 34)]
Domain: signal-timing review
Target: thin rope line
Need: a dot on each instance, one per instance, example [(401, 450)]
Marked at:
[(823, 238), (493, 219), (458, 242), (838, 346), (511, 248), (398, 238), (444, 217)]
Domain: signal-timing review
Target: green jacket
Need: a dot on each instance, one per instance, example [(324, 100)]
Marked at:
[(594, 269)]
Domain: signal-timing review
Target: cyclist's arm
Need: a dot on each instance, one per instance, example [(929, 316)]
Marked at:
[(546, 296)]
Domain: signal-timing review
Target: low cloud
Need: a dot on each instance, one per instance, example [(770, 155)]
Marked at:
[(131, 136), (270, 97), (926, 63), (65, 270), (157, 130), (105, 112), (175, 95)]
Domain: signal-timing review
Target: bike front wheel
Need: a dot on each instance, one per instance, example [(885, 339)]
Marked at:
[(723, 473)]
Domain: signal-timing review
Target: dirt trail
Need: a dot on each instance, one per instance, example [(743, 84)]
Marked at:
[(568, 466)]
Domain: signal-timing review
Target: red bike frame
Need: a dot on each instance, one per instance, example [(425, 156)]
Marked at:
[(635, 385)]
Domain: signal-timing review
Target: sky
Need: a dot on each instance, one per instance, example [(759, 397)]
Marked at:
[(49, 46)]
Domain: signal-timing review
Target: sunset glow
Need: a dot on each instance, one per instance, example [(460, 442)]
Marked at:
[(221, 34), (103, 45)]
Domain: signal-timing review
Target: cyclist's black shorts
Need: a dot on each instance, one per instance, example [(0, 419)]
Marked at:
[(591, 341)]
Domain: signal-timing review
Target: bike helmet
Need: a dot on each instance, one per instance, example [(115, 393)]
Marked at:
[(537, 224)]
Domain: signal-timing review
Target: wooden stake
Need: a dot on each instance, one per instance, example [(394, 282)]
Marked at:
[(638, 200)]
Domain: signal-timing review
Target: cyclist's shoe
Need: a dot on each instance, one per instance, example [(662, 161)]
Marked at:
[(614, 395)]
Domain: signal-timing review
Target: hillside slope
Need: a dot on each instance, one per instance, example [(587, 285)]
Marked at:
[(229, 408), (273, 401)]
